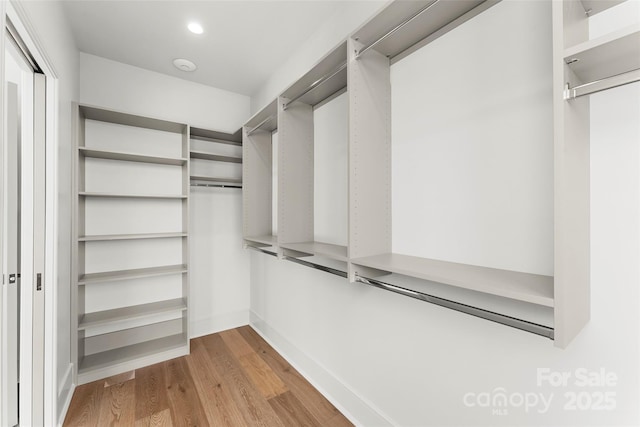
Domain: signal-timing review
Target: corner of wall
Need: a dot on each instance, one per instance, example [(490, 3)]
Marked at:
[(218, 323)]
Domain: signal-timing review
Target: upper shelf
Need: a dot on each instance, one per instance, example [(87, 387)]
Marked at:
[(130, 157), (440, 17), (267, 118), (94, 113), (215, 157), (533, 288), (612, 54), (218, 137), (328, 67)]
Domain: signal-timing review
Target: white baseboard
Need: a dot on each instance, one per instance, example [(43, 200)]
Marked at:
[(65, 393), (355, 408), (218, 323)]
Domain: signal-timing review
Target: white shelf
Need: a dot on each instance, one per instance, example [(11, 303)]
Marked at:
[(131, 352), (216, 179), (138, 273), (130, 157), (117, 315), (108, 237), (268, 112), (606, 56), (335, 252), (132, 196), (120, 118), (533, 288), (266, 240), (216, 137), (327, 66), (215, 157)]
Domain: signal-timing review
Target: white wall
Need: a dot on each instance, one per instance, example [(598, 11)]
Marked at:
[(219, 269), (46, 22), (390, 360), (472, 123), (114, 85)]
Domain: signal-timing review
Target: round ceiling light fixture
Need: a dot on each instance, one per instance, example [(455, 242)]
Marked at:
[(195, 28), (184, 65)]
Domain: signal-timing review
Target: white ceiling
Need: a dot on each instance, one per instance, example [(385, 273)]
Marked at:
[(243, 41)]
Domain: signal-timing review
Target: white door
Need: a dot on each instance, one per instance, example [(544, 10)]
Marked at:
[(11, 258), (22, 236)]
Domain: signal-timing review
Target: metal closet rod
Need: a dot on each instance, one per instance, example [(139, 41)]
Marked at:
[(316, 84), (503, 319), (259, 125), (396, 28), (603, 84), (216, 185), (317, 266)]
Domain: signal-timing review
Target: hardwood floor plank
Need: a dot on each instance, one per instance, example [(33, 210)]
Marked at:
[(186, 409), (216, 399), (269, 384), (321, 409), (291, 411), (159, 419), (254, 407), (118, 405), (151, 391), (236, 343), (84, 409)]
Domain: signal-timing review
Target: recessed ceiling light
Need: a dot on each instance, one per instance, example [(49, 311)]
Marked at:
[(184, 65), (195, 28)]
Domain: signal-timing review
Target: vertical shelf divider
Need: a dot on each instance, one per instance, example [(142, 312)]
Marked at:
[(369, 86), (295, 172), (571, 182)]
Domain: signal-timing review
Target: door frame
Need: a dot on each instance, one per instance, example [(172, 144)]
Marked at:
[(16, 14)]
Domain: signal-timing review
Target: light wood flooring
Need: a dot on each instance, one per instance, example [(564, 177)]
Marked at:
[(233, 378)]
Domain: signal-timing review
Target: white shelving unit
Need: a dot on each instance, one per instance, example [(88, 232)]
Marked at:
[(215, 157), (581, 66), (257, 175), (113, 334)]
